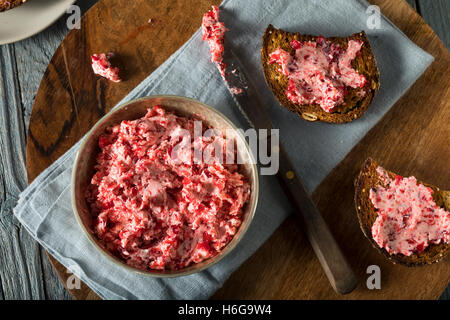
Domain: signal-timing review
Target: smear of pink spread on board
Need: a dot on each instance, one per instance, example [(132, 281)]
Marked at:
[(154, 212), (408, 218)]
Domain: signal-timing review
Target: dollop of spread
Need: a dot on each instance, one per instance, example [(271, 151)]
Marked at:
[(319, 71), (408, 218), (155, 212), (102, 66)]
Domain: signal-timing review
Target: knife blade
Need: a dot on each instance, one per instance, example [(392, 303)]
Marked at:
[(330, 256)]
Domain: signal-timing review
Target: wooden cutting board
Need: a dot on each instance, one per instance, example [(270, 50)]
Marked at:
[(413, 138)]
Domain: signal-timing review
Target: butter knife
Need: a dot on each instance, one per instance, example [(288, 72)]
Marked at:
[(330, 256)]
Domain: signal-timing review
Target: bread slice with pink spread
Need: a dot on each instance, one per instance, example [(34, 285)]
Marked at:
[(407, 220), (321, 79)]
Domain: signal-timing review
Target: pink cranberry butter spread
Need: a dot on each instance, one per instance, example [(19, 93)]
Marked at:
[(214, 33), (102, 66), (408, 218), (156, 213), (319, 71)]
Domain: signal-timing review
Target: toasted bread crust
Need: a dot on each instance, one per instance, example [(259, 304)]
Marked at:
[(367, 214), (6, 5), (354, 106)]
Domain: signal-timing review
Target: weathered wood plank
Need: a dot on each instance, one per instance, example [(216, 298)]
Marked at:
[(20, 269), (2, 200), (436, 13), (13, 133)]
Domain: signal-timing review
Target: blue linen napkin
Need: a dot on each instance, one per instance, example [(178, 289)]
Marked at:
[(44, 207)]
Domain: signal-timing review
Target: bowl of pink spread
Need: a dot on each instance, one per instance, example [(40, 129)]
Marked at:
[(164, 186)]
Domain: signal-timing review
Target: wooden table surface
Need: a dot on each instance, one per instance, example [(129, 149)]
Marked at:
[(25, 272)]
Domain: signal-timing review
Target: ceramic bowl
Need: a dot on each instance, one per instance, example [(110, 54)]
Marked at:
[(86, 158)]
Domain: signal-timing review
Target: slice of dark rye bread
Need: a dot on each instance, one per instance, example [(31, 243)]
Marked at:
[(368, 178), (6, 5), (354, 105)]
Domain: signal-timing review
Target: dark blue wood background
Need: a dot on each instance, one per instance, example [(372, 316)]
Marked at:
[(25, 272)]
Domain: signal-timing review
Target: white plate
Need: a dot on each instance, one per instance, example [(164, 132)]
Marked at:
[(30, 18)]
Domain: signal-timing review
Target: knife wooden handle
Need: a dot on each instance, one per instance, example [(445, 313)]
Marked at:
[(333, 262)]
